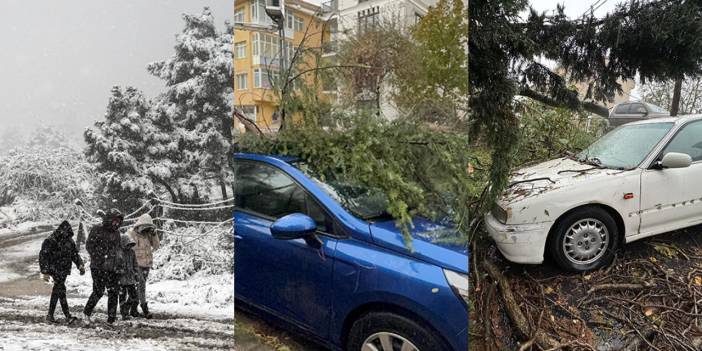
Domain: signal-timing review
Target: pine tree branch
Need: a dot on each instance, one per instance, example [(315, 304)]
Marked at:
[(547, 100)]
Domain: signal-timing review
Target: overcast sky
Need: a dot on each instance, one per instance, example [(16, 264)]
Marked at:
[(60, 58)]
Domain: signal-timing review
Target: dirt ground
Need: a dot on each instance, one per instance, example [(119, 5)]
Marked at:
[(255, 334), (649, 298)]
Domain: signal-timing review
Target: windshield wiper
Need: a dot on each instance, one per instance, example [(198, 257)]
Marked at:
[(592, 161)]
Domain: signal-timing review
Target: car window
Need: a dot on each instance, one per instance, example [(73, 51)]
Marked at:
[(637, 109), (622, 109), (656, 109), (687, 141), (268, 191), (314, 210), (627, 146)]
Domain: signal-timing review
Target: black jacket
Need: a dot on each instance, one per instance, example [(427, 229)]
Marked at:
[(58, 251), (104, 241), (129, 275)]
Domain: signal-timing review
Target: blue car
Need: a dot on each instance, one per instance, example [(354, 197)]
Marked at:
[(324, 259)]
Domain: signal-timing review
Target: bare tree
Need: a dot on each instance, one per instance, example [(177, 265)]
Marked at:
[(663, 94)]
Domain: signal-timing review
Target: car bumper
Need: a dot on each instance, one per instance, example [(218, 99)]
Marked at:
[(519, 243)]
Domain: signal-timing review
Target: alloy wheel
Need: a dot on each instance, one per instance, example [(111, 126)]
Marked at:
[(586, 241), (385, 341)]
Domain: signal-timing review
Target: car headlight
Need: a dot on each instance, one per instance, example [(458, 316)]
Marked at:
[(458, 282), (500, 214)]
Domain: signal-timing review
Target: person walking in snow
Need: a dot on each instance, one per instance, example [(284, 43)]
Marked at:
[(147, 241), (106, 264), (57, 253), (128, 299)]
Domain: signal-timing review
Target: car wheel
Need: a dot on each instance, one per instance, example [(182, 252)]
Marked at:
[(384, 331), (584, 240)]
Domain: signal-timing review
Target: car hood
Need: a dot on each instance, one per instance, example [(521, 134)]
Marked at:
[(431, 242), (550, 176)]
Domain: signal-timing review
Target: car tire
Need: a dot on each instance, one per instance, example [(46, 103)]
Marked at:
[(584, 240), (371, 327)]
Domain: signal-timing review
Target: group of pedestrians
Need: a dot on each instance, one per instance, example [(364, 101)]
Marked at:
[(119, 264)]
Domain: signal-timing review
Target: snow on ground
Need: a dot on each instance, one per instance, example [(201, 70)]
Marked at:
[(6, 275), (190, 292), (18, 336)]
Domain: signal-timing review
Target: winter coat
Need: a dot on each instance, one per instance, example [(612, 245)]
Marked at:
[(146, 244), (58, 251), (130, 264), (104, 244)]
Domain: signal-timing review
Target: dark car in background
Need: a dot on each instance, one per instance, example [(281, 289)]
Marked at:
[(634, 111)]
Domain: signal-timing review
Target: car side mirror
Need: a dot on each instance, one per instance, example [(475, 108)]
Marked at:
[(644, 114), (293, 226), (675, 160)]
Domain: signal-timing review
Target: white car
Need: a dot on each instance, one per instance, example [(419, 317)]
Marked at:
[(641, 179)]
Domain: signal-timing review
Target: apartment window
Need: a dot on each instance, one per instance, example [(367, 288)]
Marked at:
[(299, 24), (290, 50), (368, 19), (249, 111), (267, 46), (263, 79), (240, 50), (242, 81), (239, 16), (289, 20), (294, 22), (258, 12)]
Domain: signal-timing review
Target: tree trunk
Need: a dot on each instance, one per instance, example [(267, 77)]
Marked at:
[(249, 125), (223, 187), (586, 105), (174, 197), (675, 104)]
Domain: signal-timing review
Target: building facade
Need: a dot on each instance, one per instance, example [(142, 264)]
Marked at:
[(257, 55), (351, 17)]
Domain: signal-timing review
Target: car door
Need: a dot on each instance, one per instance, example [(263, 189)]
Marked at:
[(672, 198), (288, 278)]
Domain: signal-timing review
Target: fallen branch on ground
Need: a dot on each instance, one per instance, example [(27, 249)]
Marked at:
[(543, 340)]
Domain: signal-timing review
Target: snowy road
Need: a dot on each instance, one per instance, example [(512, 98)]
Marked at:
[(179, 324)]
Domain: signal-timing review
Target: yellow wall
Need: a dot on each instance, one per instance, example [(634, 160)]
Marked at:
[(265, 99)]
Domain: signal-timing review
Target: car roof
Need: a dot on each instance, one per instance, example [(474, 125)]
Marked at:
[(262, 157), (677, 120)]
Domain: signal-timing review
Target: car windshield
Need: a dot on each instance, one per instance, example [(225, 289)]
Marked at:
[(625, 147), (361, 201)]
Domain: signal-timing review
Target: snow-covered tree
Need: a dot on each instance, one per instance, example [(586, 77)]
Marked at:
[(48, 136), (41, 182), (116, 148), (197, 100)]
